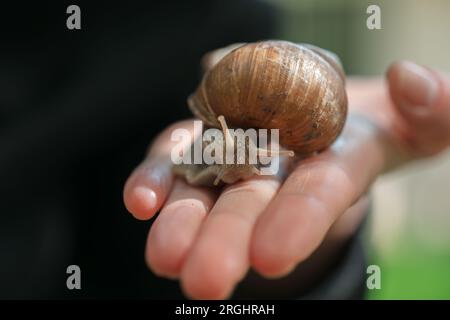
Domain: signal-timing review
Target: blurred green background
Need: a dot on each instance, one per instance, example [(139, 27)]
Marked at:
[(409, 231)]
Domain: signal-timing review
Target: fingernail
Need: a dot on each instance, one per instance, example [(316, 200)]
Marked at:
[(418, 86)]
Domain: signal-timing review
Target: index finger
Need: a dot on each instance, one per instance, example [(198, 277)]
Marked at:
[(149, 185)]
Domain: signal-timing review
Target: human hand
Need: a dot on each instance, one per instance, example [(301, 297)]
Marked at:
[(209, 238)]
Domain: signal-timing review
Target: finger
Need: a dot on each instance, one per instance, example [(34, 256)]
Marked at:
[(312, 198), (148, 186), (174, 230), (219, 258), (422, 98)]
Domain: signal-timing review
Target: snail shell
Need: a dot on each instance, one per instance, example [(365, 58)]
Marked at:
[(298, 89)]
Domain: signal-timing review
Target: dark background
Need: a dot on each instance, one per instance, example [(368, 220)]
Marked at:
[(78, 109)]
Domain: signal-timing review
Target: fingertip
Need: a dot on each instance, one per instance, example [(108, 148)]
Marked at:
[(140, 201), (270, 264), (270, 260), (147, 188), (206, 283), (161, 271), (414, 88), (162, 262), (210, 272), (288, 233), (421, 97), (149, 185)]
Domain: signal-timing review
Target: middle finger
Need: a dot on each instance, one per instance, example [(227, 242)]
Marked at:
[(220, 255)]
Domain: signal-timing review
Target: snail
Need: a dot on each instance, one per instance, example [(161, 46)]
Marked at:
[(298, 89)]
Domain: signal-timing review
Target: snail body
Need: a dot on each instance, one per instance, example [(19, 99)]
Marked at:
[(297, 89)]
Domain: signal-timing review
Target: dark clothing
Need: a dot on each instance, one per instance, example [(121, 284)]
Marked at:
[(78, 109)]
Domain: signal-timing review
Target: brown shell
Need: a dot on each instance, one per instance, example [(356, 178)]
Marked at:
[(298, 89)]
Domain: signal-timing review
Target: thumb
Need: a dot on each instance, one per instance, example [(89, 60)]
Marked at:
[(422, 98)]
